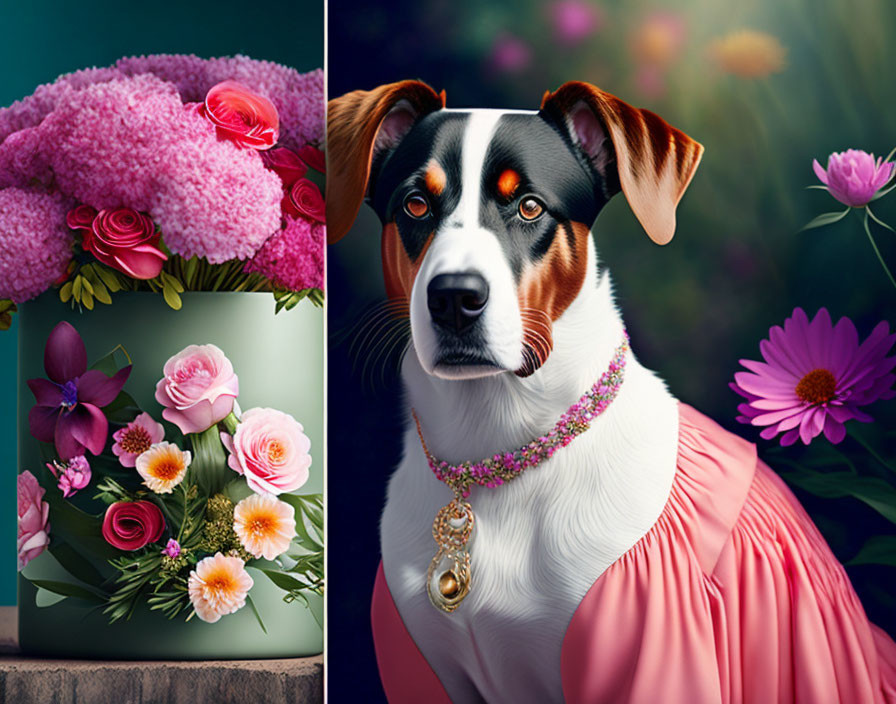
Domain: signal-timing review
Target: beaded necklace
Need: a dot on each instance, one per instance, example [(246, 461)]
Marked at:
[(449, 577)]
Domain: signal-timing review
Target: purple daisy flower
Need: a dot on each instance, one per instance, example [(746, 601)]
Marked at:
[(815, 377), (67, 405)]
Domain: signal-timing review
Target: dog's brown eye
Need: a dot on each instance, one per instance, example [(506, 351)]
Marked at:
[(530, 208), (416, 206)]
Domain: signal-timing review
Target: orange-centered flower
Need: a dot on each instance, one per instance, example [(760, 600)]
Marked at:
[(265, 525), (218, 586), (163, 467)]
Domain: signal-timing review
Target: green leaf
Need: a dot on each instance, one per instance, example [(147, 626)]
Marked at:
[(123, 409), (251, 603), (286, 582), (875, 492), (65, 293), (76, 564), (172, 298), (68, 589), (878, 550), (878, 220), (825, 219), (108, 277), (209, 466)]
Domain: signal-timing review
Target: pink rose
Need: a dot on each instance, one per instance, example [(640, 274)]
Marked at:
[(270, 450), (198, 389), (245, 118), (314, 157), (34, 513), (136, 438), (285, 163), (130, 525), (304, 199), (121, 238)]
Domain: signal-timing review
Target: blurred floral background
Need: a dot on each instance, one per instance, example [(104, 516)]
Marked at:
[(766, 86)]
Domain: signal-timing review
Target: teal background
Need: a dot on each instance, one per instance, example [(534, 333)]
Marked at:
[(40, 40)]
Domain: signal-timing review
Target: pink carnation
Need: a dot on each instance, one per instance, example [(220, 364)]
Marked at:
[(34, 240), (294, 257), (298, 97), (131, 142)]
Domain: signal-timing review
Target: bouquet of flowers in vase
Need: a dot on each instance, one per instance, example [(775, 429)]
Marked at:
[(164, 173), (175, 515)]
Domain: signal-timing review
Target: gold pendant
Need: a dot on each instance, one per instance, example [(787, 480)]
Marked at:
[(449, 577)]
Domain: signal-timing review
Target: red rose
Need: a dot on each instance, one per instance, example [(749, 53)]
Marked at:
[(245, 118), (121, 238), (130, 525), (304, 199), (314, 157), (285, 163)]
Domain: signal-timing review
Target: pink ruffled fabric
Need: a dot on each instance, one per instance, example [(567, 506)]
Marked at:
[(732, 596)]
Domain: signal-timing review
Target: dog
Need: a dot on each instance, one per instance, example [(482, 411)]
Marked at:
[(653, 558)]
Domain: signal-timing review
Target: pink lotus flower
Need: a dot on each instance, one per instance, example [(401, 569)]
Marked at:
[(67, 405), (218, 586), (285, 163), (853, 177), (270, 450), (304, 199), (198, 388), (72, 476), (131, 525), (121, 238), (136, 438), (815, 377), (245, 118), (34, 514), (574, 20)]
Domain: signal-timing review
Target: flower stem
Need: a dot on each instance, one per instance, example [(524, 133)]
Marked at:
[(876, 250)]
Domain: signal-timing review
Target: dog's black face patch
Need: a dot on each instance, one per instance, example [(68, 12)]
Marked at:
[(506, 196), (435, 141), (537, 152)]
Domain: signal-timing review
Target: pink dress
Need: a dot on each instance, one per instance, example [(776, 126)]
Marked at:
[(732, 596)]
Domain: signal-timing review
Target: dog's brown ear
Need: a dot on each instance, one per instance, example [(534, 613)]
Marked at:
[(654, 161), (361, 125)]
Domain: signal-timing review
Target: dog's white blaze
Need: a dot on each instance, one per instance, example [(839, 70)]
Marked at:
[(462, 245), (479, 132)]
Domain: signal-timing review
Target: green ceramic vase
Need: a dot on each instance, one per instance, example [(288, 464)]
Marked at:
[(279, 360)]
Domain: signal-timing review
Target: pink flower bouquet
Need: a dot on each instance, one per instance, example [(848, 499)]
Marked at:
[(163, 173), (192, 500)]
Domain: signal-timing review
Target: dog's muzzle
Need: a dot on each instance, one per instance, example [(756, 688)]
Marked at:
[(456, 301)]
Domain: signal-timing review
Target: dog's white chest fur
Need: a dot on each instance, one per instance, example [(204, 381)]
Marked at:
[(542, 540)]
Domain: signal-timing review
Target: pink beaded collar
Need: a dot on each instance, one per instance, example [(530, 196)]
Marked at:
[(450, 576)]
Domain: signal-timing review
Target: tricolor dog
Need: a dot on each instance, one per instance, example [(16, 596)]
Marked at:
[(561, 527)]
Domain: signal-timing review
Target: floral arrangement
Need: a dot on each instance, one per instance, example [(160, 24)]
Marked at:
[(179, 514), (164, 173), (816, 377)]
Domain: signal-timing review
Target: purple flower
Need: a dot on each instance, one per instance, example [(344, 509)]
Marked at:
[(574, 20), (294, 257), (510, 54), (172, 548), (853, 176), (67, 405), (815, 377), (72, 476)]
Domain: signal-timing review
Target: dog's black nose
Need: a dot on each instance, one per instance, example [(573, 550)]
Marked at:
[(456, 300)]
